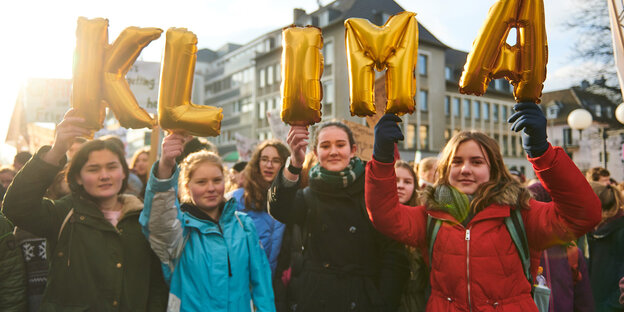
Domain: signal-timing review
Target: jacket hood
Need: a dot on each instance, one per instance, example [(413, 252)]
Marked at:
[(129, 203), (605, 229), (507, 197)]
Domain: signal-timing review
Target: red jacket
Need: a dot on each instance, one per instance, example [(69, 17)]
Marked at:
[(477, 267)]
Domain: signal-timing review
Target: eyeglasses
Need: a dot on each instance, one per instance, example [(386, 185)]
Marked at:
[(275, 161)]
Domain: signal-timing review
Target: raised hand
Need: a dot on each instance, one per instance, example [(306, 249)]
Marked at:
[(387, 132), (297, 140), (172, 147), (529, 119), (68, 129)]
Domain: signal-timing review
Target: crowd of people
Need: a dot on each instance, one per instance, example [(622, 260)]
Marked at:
[(306, 225)]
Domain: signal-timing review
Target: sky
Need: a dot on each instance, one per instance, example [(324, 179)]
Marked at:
[(38, 36)]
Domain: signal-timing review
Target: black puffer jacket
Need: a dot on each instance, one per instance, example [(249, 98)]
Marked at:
[(347, 265), (12, 272)]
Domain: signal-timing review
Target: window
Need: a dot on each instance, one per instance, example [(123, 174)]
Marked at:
[(552, 111), (447, 106), (246, 105), (448, 73), (423, 96), (262, 78), (269, 75), (567, 136), (609, 112), (504, 116), (278, 72), (261, 110), (505, 150), (476, 109), (598, 110), (513, 146), (495, 112), (486, 111), (456, 107), (410, 136), (423, 137), (466, 108), (422, 64), (328, 98), (328, 53)]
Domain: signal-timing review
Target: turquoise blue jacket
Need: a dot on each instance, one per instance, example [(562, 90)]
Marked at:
[(209, 266)]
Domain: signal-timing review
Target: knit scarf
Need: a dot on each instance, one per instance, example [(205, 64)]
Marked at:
[(338, 179), (449, 199)]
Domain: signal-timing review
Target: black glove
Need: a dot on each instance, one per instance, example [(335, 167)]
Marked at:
[(387, 132), (530, 119)]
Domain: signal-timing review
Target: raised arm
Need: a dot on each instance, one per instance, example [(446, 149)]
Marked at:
[(283, 203), (400, 222), (160, 218), (24, 203), (575, 208)]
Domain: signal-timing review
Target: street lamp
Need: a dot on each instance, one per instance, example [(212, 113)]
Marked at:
[(619, 113)]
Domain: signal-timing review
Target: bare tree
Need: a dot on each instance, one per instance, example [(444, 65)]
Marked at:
[(590, 22)]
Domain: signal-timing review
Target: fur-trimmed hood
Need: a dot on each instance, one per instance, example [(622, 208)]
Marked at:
[(507, 196)]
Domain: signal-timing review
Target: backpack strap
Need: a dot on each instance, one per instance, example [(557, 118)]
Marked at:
[(515, 227), (69, 214), (433, 227)]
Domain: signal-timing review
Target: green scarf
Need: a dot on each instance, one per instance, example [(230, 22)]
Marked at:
[(338, 179), (449, 199)]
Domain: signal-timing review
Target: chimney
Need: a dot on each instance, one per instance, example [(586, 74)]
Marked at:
[(298, 15), (584, 84)]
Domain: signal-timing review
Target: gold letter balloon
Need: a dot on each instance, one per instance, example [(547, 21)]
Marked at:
[(100, 70), (175, 110), (302, 68), (394, 47), (523, 64)]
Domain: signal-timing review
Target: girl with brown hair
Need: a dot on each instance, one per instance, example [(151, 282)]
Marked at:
[(263, 167), (463, 229)]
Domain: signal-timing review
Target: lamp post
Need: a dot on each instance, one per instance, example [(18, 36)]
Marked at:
[(580, 119)]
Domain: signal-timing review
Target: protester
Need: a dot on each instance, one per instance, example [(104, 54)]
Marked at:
[(6, 177), (101, 259), (210, 252), (606, 250), (517, 175), (195, 145), (565, 270), (263, 167), (12, 273), (426, 170), (236, 179), (476, 264), (414, 297), (139, 165), (76, 145), (20, 159), (347, 264), (600, 175)]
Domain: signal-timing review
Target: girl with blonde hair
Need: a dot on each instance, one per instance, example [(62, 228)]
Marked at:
[(211, 255)]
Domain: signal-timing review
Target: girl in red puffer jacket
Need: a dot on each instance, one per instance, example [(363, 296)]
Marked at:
[(475, 265)]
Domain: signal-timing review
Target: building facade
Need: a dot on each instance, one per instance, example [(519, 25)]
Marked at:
[(440, 111)]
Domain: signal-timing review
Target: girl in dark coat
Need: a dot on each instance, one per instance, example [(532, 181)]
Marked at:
[(100, 260), (347, 265), (606, 250)]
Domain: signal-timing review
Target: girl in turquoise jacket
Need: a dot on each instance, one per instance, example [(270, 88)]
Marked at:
[(211, 254)]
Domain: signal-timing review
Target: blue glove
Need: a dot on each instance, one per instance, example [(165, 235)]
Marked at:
[(530, 119), (387, 132)]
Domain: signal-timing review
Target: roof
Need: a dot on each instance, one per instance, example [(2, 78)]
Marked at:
[(577, 97)]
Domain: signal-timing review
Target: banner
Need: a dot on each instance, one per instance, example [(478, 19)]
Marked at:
[(144, 78), (46, 100)]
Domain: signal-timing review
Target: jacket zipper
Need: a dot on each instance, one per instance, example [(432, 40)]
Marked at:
[(227, 251), (468, 266)]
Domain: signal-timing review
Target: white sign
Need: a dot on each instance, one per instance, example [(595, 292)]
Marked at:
[(144, 78), (279, 129), (46, 100)]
